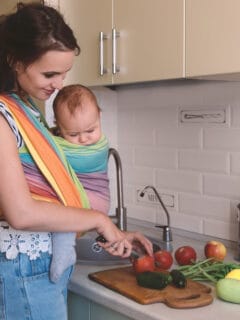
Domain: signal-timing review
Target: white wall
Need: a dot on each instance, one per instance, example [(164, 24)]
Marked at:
[(196, 165)]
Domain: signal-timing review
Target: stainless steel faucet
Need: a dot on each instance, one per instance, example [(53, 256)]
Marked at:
[(237, 255), (121, 211), (167, 232)]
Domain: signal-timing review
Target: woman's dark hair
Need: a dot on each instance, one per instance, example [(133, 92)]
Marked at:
[(27, 35)]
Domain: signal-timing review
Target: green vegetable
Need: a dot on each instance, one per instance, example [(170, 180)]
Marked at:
[(229, 290), (153, 280), (178, 278), (208, 270), (159, 280)]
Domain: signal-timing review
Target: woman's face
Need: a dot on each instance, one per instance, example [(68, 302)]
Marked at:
[(41, 78)]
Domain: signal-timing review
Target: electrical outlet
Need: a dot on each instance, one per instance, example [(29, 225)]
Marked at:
[(150, 198)]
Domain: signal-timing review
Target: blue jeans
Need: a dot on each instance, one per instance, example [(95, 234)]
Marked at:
[(26, 293)]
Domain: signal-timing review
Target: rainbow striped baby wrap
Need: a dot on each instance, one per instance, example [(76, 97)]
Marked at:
[(90, 165)]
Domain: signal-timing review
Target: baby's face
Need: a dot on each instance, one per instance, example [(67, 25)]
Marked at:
[(83, 127)]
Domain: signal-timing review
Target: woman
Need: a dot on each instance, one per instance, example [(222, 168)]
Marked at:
[(39, 192)]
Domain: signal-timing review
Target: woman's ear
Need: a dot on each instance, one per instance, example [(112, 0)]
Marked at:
[(18, 67)]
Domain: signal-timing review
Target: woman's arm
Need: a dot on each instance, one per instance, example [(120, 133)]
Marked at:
[(24, 213), (16, 203)]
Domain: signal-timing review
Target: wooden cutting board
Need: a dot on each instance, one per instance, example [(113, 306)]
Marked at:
[(123, 280)]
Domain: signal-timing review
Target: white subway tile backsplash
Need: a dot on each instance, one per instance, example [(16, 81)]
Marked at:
[(142, 213), (179, 180), (199, 163), (204, 161), (126, 153), (221, 186), (178, 137), (204, 206), (138, 175), (219, 92), (134, 137), (235, 163), (227, 139), (154, 95), (150, 118), (181, 220), (235, 114), (220, 229), (155, 157)]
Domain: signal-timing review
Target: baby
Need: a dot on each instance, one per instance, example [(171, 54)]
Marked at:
[(78, 132)]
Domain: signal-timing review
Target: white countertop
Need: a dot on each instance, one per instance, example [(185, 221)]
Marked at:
[(80, 284)]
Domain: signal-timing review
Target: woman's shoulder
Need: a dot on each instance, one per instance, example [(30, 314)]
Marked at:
[(6, 112), (9, 118)]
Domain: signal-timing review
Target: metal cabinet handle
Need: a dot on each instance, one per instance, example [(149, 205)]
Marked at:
[(115, 35), (102, 69)]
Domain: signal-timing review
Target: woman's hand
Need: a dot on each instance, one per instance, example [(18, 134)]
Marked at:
[(120, 243), (114, 241), (138, 240), (121, 248)]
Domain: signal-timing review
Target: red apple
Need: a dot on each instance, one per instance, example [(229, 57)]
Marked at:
[(185, 255), (215, 249)]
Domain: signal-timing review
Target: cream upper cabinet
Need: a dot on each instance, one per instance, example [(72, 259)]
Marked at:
[(126, 41), (8, 6), (89, 19), (150, 42), (212, 37)]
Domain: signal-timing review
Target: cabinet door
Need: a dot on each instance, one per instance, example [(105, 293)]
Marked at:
[(212, 37), (88, 18), (8, 6), (99, 312), (78, 307), (150, 46)]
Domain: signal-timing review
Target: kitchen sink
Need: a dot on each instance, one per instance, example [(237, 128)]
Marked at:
[(89, 252)]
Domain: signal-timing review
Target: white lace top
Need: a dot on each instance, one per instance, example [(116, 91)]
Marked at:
[(14, 241)]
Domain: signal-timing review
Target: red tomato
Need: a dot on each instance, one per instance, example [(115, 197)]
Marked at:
[(163, 259), (185, 255), (144, 263)]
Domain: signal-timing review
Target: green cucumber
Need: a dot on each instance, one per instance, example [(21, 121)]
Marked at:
[(153, 280), (229, 290)]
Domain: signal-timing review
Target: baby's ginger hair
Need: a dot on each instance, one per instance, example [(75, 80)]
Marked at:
[(74, 97)]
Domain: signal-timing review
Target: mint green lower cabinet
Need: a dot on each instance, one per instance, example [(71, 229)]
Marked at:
[(99, 312), (80, 308)]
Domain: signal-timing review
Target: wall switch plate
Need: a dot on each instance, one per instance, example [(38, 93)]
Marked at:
[(203, 116), (150, 198)]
